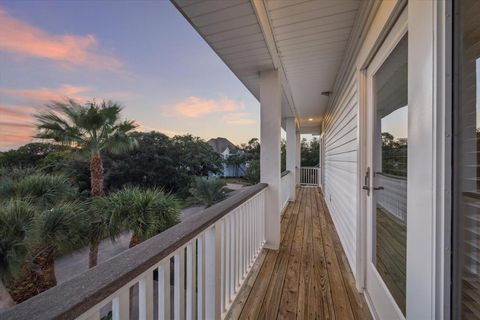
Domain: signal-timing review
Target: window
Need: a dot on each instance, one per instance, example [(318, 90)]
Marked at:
[(466, 214)]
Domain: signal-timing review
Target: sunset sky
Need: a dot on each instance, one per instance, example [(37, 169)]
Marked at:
[(142, 54)]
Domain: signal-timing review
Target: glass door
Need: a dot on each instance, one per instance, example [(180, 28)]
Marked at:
[(387, 81)]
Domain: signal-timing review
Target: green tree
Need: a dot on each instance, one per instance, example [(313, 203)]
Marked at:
[(28, 155), (310, 152), (151, 164), (145, 212), (252, 174), (37, 222), (93, 128), (208, 190), (193, 157)]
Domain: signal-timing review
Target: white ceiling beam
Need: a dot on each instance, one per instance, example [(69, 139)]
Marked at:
[(264, 22)]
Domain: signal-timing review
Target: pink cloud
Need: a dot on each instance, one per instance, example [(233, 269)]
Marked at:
[(47, 94), (16, 121), (238, 118), (23, 39), (196, 107)]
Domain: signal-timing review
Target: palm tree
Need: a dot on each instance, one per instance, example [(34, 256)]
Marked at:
[(145, 212), (16, 222), (93, 128), (208, 190), (57, 230)]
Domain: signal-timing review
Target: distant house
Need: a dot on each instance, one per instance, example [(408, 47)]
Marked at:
[(227, 149)]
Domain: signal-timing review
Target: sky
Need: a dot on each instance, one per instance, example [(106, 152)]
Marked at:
[(143, 54)]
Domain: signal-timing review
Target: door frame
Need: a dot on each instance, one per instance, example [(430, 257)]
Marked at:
[(386, 304), (431, 24)]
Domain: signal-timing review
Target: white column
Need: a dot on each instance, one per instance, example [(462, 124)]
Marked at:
[(270, 122), (298, 155), (291, 155)]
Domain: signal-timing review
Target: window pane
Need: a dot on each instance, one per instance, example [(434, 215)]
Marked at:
[(467, 163), (390, 171)]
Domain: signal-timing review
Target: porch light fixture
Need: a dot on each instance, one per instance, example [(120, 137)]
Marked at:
[(310, 119)]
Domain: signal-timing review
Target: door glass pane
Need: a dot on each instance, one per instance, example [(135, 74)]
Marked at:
[(390, 171), (466, 214)]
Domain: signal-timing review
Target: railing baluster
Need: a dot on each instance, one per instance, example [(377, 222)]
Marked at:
[(212, 273), (179, 285), (226, 280), (238, 238), (233, 253), (145, 297), (222, 265), (164, 290), (201, 277), (190, 301), (121, 305)]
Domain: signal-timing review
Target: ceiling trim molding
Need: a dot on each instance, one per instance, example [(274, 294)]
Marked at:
[(264, 21), (360, 29)]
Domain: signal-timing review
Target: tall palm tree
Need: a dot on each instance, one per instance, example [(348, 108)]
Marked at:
[(93, 128)]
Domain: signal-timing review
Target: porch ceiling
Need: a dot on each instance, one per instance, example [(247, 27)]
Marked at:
[(305, 40)]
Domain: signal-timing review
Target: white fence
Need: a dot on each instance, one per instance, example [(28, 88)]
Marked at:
[(208, 271), (193, 270), (285, 187), (309, 176), (393, 198)]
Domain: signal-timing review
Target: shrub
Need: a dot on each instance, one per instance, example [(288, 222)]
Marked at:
[(252, 175), (208, 190), (146, 212)]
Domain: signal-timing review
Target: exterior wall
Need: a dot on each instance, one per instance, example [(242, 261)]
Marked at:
[(340, 167), (341, 140)]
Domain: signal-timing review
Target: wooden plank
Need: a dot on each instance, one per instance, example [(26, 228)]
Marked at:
[(341, 302), (357, 301), (243, 295), (304, 310), (289, 294), (323, 289), (297, 281), (271, 303)]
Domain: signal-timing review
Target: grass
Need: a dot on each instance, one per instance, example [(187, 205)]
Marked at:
[(241, 181)]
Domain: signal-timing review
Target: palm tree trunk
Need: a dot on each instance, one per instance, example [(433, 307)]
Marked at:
[(134, 240), (93, 255), (46, 261), (96, 175), (25, 285)]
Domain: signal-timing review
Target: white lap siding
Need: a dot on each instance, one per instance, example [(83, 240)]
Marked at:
[(340, 134)]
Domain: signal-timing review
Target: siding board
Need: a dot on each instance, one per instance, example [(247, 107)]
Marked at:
[(341, 143)]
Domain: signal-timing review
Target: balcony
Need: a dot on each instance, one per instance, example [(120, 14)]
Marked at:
[(216, 267), (308, 277)]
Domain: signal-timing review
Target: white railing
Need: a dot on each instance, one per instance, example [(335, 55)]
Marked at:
[(309, 176), (207, 257), (285, 187), (393, 198)]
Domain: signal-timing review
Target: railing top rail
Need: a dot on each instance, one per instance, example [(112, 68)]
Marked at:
[(284, 173), (70, 299), (311, 167)]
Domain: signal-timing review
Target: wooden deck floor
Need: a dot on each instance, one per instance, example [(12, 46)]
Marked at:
[(309, 277)]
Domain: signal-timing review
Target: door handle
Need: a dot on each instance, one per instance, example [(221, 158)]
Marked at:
[(379, 188), (366, 181)]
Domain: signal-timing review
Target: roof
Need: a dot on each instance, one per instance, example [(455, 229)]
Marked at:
[(306, 41), (220, 144)]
